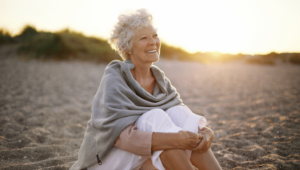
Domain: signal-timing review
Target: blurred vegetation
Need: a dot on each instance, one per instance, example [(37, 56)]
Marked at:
[(273, 58), (170, 52), (70, 45), (62, 45), (6, 38)]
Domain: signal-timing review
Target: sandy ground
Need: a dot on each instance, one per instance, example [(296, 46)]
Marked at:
[(253, 110)]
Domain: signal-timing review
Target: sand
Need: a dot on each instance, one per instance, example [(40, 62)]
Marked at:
[(254, 110)]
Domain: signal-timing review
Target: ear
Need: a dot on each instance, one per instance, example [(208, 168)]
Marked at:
[(128, 52)]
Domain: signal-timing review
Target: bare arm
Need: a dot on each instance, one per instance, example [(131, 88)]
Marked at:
[(180, 140), (135, 141), (204, 145), (144, 143)]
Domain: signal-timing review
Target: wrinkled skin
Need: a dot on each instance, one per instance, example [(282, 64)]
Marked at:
[(207, 138), (189, 140)]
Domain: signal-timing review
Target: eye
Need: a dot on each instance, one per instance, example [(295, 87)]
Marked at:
[(155, 35), (143, 38)]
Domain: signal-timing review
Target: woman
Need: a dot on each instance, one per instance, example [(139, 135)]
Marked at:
[(138, 119)]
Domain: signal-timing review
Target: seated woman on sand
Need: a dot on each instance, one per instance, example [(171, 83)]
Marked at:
[(138, 119)]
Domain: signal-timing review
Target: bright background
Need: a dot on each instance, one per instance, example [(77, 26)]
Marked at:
[(227, 26)]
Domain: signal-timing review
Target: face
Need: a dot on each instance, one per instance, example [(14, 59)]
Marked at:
[(145, 46)]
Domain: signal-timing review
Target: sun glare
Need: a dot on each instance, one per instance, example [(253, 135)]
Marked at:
[(219, 29), (228, 26)]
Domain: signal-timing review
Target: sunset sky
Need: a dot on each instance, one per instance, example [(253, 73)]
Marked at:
[(227, 26)]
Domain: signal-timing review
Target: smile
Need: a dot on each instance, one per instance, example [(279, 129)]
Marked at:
[(150, 52)]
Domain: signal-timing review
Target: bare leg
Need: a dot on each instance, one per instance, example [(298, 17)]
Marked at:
[(176, 159), (205, 161)]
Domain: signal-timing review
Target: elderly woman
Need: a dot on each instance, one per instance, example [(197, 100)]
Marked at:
[(138, 119)]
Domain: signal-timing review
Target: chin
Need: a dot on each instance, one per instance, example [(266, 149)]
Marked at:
[(155, 59), (151, 59)]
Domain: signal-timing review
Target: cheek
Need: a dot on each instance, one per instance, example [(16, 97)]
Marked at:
[(158, 42), (142, 45), (136, 48)]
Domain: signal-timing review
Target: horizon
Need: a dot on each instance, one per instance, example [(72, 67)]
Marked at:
[(228, 27)]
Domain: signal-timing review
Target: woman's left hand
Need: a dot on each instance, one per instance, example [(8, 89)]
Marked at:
[(205, 143)]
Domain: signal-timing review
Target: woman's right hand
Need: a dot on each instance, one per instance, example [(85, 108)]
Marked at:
[(189, 140)]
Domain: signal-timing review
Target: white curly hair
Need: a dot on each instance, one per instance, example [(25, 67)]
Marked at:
[(122, 32)]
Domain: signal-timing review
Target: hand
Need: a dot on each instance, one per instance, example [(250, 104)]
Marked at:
[(188, 140), (204, 145)]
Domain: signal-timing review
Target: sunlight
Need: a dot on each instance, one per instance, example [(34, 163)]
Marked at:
[(227, 26), (217, 30)]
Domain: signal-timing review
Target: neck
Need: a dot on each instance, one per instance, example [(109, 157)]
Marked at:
[(142, 72)]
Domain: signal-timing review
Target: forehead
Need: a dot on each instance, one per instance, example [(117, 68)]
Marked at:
[(144, 30)]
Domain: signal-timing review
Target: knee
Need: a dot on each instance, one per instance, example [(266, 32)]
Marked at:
[(179, 110), (154, 113), (149, 117)]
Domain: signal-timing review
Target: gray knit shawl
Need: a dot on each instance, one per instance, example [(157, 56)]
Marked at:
[(119, 102)]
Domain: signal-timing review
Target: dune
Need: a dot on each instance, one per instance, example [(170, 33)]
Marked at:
[(254, 110)]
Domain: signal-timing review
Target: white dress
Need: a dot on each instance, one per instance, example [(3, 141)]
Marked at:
[(173, 120)]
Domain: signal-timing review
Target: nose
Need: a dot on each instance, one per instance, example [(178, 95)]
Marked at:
[(152, 41)]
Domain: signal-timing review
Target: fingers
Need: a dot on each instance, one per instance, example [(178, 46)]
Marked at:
[(188, 139), (200, 146), (193, 139), (193, 142), (199, 139), (205, 138), (195, 135), (204, 145), (200, 136)]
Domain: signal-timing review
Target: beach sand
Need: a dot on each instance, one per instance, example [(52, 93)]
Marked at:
[(253, 110)]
